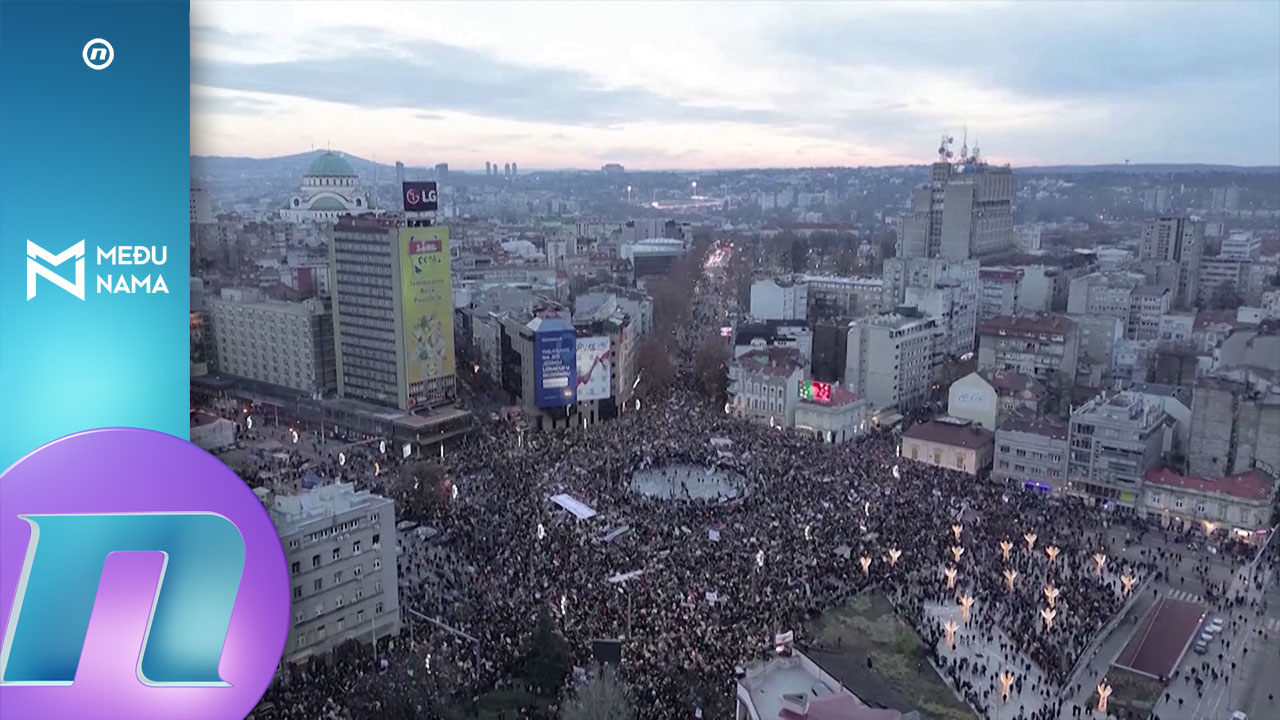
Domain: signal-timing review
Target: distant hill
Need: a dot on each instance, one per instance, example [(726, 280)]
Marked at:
[(289, 165), (1148, 168), (294, 166)]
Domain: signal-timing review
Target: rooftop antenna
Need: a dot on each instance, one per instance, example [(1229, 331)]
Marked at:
[(944, 150), (964, 146), (975, 147)]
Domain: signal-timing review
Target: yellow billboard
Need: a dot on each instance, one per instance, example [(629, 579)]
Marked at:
[(426, 303)]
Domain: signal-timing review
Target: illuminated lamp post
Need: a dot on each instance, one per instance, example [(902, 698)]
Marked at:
[(950, 628), (956, 552), (377, 469), (1031, 540), (1104, 692), (950, 575), (1006, 682), (894, 554), (865, 562), (1099, 559), (1005, 547), (1051, 594), (1052, 551), (1127, 581), (1048, 614), (542, 531), (1009, 576), (966, 602), (955, 530)]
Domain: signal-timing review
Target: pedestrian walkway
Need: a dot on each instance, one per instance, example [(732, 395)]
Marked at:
[(1187, 596)]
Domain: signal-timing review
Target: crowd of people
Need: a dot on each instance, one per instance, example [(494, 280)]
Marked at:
[(697, 587), (503, 554)]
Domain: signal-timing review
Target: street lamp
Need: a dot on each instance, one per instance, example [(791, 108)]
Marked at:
[(1006, 681), (1104, 692), (966, 602), (865, 562), (1031, 540), (294, 434), (956, 552), (1052, 551), (1127, 581), (894, 554), (248, 422), (1048, 615), (542, 531), (955, 530), (950, 575), (1005, 547), (1009, 576), (950, 628), (1051, 594), (1099, 559)]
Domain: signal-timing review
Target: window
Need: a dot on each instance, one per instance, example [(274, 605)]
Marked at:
[(359, 616), (319, 609), (299, 618), (377, 563), (319, 584), (297, 591), (337, 577), (337, 553), (355, 548), (358, 570), (376, 541), (315, 561), (378, 608), (296, 568), (338, 601), (342, 624)]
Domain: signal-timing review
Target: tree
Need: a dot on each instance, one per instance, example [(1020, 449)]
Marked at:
[(1225, 297), (710, 368), (655, 364), (546, 658), (601, 698)]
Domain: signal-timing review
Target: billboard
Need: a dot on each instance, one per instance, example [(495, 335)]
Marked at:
[(426, 302), (554, 365), (594, 368), (419, 196)]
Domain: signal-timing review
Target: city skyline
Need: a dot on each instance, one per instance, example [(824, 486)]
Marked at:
[(764, 85)]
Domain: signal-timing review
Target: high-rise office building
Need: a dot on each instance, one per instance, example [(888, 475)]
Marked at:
[(488, 168), (399, 175), (506, 169), (201, 206), (442, 174), (964, 211), (1178, 240), (393, 333), (514, 169)]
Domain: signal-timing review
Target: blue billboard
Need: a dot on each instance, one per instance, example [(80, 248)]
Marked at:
[(555, 365)]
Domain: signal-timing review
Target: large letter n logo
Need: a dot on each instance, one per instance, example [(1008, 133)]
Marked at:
[(37, 255), (191, 610)]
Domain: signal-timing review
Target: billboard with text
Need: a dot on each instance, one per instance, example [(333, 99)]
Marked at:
[(426, 303), (554, 365), (594, 368)]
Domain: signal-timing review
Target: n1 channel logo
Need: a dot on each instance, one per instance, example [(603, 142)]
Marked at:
[(140, 579)]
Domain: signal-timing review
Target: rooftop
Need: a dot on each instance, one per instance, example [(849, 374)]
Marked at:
[(1036, 426), (1027, 325), (775, 361), (330, 164), (1000, 273), (1008, 382), (951, 432), (1253, 484), (321, 502), (893, 321)]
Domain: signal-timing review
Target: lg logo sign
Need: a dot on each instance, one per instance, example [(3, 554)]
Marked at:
[(98, 54)]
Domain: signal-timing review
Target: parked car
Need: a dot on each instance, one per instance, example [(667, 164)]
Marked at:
[(1201, 647)]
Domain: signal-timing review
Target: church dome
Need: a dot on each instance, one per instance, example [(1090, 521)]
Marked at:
[(331, 165), (328, 204)]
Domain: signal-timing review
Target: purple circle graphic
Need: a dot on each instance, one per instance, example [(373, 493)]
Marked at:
[(128, 471)]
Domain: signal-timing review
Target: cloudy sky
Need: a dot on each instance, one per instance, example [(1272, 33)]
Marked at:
[(721, 85)]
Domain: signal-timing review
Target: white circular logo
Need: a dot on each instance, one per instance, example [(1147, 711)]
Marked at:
[(98, 54)]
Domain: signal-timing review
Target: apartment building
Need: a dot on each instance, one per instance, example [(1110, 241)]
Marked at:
[(890, 358), (1114, 441)]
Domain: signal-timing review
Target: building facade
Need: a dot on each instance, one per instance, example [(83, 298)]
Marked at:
[(1178, 240), (779, 299), (764, 386), (833, 297), (950, 443), (368, 312), (841, 418), (288, 344), (1042, 346), (340, 545), (999, 292), (1237, 505), (1032, 453), (1114, 441), (890, 359), (964, 211)]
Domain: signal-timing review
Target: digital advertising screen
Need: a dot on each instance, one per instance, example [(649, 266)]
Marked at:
[(555, 363), (594, 368)]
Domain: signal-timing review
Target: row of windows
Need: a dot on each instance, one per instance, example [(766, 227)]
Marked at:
[(321, 633)]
